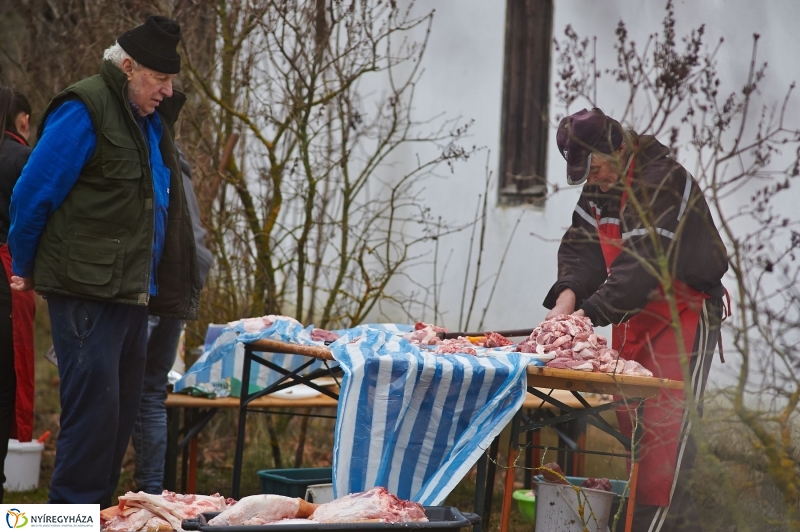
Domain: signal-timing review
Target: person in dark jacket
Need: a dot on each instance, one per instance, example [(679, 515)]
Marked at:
[(150, 430), (16, 308), (640, 209), (100, 226)]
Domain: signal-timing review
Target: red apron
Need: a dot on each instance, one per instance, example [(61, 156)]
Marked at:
[(649, 339), (23, 308)]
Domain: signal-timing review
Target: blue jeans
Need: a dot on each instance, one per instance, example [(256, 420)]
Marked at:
[(101, 349), (150, 430)]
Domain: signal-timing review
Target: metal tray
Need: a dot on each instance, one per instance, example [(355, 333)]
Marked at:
[(440, 518)]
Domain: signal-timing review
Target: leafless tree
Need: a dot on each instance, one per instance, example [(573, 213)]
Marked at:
[(308, 216)]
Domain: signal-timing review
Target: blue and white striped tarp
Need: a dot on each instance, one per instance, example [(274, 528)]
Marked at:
[(415, 422), (218, 371)]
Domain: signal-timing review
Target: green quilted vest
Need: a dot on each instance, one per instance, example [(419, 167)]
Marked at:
[(98, 243)]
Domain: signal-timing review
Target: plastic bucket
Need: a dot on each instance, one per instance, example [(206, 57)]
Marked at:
[(319, 493), (565, 508), (22, 465), (526, 502)]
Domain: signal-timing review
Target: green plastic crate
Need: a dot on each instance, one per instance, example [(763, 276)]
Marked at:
[(293, 482)]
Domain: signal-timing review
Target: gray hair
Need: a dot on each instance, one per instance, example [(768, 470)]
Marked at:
[(116, 55), (630, 139)]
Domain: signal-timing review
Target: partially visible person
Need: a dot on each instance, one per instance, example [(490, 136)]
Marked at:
[(100, 226), (150, 430), (16, 308)]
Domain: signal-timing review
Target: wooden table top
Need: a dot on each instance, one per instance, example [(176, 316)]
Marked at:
[(179, 400), (602, 383), (538, 377)]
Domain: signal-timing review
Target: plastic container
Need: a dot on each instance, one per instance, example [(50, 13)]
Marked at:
[(319, 493), (293, 482), (440, 519), (526, 503), (22, 465), (617, 487), (563, 508)]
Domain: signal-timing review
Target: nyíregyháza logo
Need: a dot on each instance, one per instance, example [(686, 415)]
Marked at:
[(16, 518)]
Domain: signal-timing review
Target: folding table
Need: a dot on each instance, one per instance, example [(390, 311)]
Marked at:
[(631, 390), (199, 411)]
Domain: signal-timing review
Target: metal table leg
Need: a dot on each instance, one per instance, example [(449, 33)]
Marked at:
[(513, 453)]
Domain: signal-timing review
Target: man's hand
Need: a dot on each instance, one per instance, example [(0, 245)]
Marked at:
[(21, 284), (565, 304)]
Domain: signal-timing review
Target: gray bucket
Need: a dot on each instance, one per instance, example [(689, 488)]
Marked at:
[(567, 508)]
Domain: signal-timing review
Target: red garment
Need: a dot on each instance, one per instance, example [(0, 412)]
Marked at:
[(23, 308), (649, 339)]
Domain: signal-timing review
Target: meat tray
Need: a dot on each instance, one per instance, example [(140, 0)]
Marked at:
[(440, 518)]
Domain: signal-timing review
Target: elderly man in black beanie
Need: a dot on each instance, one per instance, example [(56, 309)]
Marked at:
[(100, 227)]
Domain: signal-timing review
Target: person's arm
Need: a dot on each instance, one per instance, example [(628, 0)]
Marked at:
[(581, 267), (65, 146), (204, 255), (626, 291)]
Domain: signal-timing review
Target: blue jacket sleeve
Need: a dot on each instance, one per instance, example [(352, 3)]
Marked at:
[(67, 144)]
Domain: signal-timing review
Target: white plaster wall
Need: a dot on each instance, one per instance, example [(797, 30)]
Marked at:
[(464, 67)]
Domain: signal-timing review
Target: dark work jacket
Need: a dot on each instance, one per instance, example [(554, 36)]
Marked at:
[(13, 156), (674, 209), (98, 244)]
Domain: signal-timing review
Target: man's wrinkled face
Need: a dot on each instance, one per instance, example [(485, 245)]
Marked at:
[(146, 87), (605, 173)]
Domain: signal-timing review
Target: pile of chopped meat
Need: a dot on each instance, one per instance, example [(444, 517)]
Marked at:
[(376, 504), (456, 346), (142, 511), (425, 334), (494, 339), (576, 346)]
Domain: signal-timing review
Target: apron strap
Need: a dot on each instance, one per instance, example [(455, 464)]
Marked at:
[(726, 313)]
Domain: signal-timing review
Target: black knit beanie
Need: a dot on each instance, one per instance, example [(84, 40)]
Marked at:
[(154, 44)]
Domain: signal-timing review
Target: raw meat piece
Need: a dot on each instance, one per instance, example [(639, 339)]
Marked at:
[(453, 346), (420, 325), (424, 334), (527, 347), (263, 509), (615, 367), (552, 473), (259, 324), (494, 339), (568, 363), (423, 337), (142, 511), (114, 519), (321, 335), (375, 504), (597, 484), (634, 368)]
